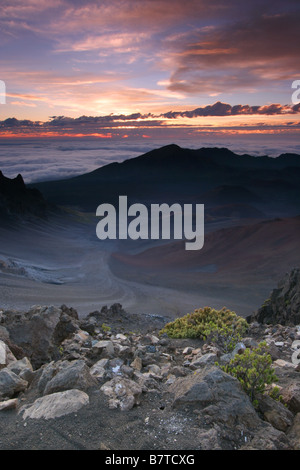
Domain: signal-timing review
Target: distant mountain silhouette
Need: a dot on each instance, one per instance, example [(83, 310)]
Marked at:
[(16, 200), (174, 174)]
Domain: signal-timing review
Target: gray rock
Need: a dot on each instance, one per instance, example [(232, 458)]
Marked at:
[(22, 368), (275, 413), (99, 369), (40, 331), (209, 358), (283, 306), (75, 374), (250, 342), (11, 384), (4, 334), (291, 396), (44, 375), (218, 395), (105, 346), (239, 348), (268, 438), (56, 405), (294, 433)]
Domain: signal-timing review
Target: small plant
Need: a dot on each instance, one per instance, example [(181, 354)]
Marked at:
[(253, 368), (275, 394), (266, 302), (105, 328), (204, 322)]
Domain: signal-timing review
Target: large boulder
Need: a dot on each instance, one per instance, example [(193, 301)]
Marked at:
[(70, 375), (40, 331), (56, 405), (227, 419), (218, 395)]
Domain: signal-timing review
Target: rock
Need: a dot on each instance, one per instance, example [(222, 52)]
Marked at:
[(2, 354), (9, 404), (105, 346), (294, 433), (81, 336), (122, 392), (283, 306), (127, 370), (6, 356), (22, 368), (178, 371), (209, 439), (98, 370), (154, 369), (274, 351), (187, 350), (238, 349), (40, 331), (4, 334), (209, 358), (137, 363), (275, 413), (268, 438), (10, 384), (250, 342), (44, 375), (69, 375), (66, 326), (122, 337), (291, 396), (282, 363), (89, 325), (56, 405), (218, 395), (146, 381)]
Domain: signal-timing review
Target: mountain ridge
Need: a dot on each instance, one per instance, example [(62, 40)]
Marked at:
[(172, 173)]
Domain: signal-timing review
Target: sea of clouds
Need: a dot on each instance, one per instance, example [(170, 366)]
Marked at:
[(51, 159)]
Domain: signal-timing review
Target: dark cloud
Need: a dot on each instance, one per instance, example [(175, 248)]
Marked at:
[(224, 109), (241, 53), (138, 120)]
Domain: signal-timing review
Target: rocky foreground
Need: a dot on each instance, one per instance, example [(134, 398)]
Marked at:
[(111, 381)]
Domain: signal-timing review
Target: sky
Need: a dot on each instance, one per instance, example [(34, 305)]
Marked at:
[(149, 68)]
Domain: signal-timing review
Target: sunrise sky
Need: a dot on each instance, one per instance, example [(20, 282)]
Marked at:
[(144, 67)]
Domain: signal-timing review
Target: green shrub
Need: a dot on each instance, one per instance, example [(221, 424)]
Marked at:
[(204, 322), (225, 338), (253, 369)]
